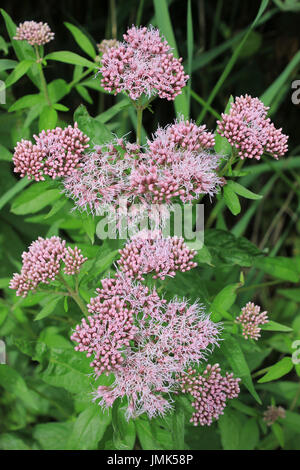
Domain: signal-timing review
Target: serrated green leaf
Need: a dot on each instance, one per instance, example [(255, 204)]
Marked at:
[(89, 428), (48, 309), (18, 72), (35, 198)]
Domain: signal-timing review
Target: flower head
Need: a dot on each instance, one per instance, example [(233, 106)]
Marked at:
[(143, 65), (210, 392), (56, 153), (145, 341), (160, 256), (184, 135), (272, 413), (250, 319), (248, 128), (36, 34), (106, 44), (42, 263)]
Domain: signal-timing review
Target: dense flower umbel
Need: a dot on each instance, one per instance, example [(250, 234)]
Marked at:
[(250, 319), (56, 153), (143, 65), (182, 134), (160, 256), (248, 128), (42, 263), (210, 392), (145, 341), (123, 171), (36, 34), (103, 177), (272, 413), (106, 44)]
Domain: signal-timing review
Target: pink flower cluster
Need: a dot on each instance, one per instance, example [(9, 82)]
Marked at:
[(106, 44), (182, 135), (56, 153), (160, 256), (169, 167), (143, 65), (144, 341), (36, 34), (272, 413), (210, 392), (250, 319), (248, 128), (42, 264)]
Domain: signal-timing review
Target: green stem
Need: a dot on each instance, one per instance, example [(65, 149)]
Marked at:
[(75, 296), (140, 110), (258, 286), (84, 74), (42, 76)]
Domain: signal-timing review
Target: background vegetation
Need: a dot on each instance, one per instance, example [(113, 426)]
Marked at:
[(252, 251)]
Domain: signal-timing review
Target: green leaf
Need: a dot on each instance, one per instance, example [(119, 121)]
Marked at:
[(18, 187), (124, 431), (57, 89), (35, 198), (292, 421), (225, 298), (27, 101), (178, 428), (18, 72), (84, 93), (222, 146), (48, 118), (279, 267), (82, 40), (281, 368), (274, 326), (278, 431), (89, 428), (48, 308), (239, 189), (230, 428), (231, 200), (10, 441), (68, 369), (203, 256), (96, 130), (5, 154), (238, 249), (249, 435), (71, 58), (292, 294), (237, 361), (146, 436), (14, 383), (53, 436), (7, 64)]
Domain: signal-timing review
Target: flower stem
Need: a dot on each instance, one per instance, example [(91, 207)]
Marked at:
[(75, 296), (140, 110), (42, 76)]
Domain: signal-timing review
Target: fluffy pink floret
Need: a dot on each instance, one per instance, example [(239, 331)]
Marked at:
[(250, 319), (160, 256), (143, 64), (56, 153), (210, 392), (180, 135), (42, 263), (248, 128), (36, 34)]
